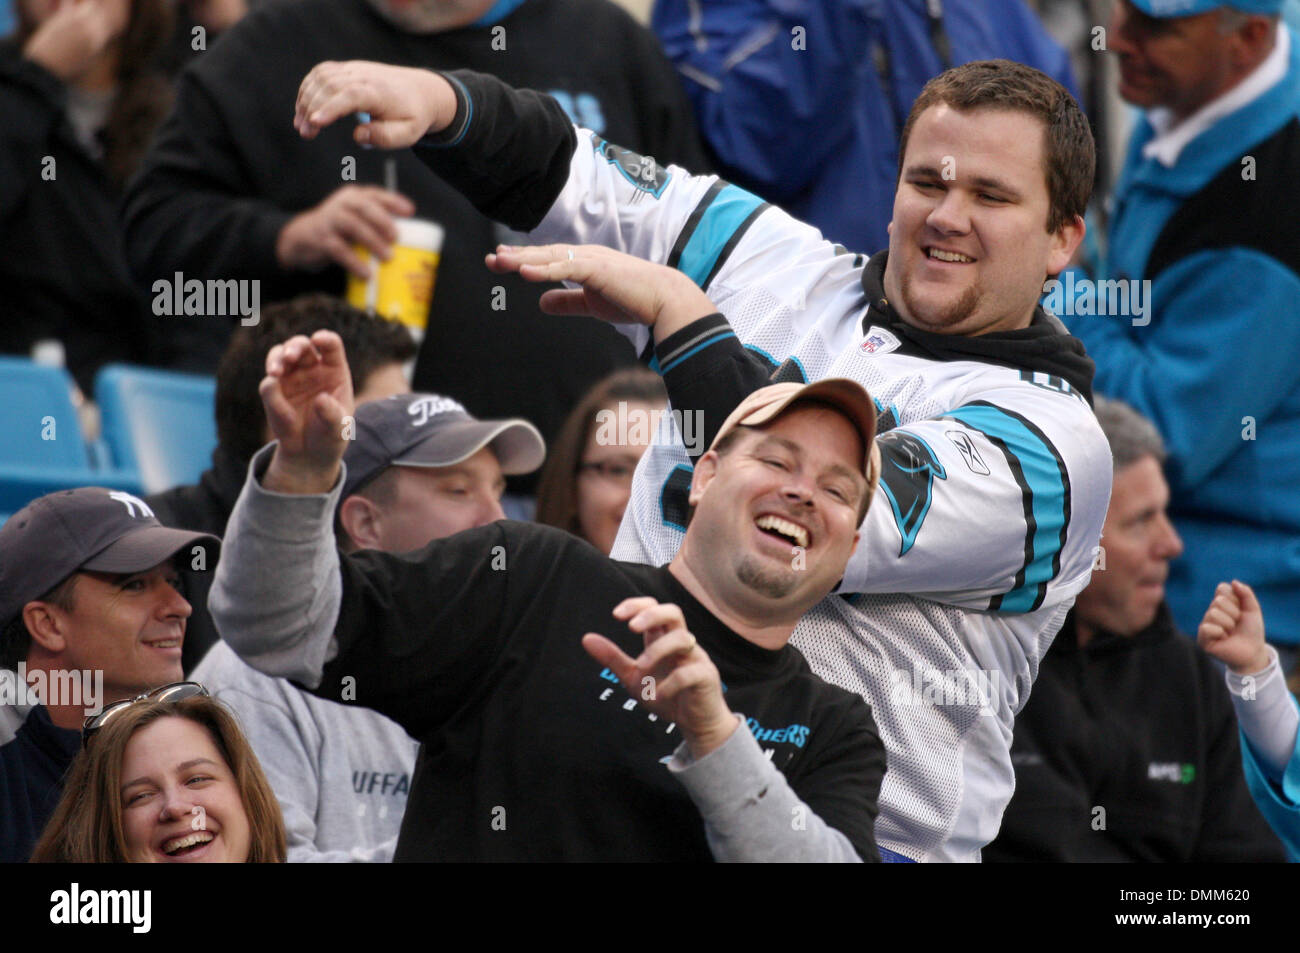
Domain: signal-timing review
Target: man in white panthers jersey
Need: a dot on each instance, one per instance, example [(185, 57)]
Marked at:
[(995, 475)]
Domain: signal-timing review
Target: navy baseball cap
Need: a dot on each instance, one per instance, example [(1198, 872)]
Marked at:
[(427, 430), (90, 528), (1189, 8)]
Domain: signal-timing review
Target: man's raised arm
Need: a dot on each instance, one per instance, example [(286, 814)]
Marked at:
[(276, 599), (518, 158), (512, 146)]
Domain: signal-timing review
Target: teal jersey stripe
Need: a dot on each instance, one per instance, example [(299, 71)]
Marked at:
[(1041, 474), (726, 213), (722, 335)]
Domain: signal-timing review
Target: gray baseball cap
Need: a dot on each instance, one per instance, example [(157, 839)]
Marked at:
[(89, 528), (427, 430)]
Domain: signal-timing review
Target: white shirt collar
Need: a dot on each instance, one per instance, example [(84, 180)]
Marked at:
[(1172, 137)]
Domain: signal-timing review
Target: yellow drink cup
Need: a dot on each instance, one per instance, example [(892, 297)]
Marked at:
[(401, 288)]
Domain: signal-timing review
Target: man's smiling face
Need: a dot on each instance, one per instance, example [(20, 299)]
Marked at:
[(969, 248), (780, 510), (129, 626)]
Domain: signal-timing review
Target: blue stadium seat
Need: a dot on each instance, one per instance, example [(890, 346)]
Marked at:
[(20, 485), (157, 424), (38, 424), (42, 448)]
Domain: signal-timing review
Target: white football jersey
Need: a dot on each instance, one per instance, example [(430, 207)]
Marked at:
[(985, 526)]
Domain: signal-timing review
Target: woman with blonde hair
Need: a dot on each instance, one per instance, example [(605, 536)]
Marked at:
[(165, 778)]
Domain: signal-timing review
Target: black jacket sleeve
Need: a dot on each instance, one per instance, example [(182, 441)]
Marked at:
[(507, 150), (708, 372)]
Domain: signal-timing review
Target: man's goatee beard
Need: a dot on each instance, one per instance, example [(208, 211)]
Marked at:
[(955, 312), (770, 583)]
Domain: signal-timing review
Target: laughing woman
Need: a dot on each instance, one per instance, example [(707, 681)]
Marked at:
[(167, 778)]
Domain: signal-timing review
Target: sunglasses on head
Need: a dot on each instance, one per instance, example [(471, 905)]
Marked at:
[(176, 691)]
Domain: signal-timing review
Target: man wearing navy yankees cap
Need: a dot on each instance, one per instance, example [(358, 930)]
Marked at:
[(419, 468), (90, 614)]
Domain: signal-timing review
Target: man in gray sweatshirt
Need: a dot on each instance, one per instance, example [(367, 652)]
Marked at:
[(419, 468)]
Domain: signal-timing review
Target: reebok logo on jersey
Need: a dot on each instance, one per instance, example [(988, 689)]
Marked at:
[(878, 341), (962, 441)]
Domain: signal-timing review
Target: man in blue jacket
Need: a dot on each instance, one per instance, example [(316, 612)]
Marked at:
[(1214, 356), (803, 101)]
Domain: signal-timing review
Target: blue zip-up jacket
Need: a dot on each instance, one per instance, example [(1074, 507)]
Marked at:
[(803, 101), (1217, 368)]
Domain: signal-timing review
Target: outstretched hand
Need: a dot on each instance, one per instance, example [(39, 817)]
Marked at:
[(403, 103), (307, 393), (616, 287), (1233, 629), (674, 677)]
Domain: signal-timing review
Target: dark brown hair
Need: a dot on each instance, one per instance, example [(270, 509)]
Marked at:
[(1069, 153), (370, 343), (87, 825), (557, 488), (144, 93)]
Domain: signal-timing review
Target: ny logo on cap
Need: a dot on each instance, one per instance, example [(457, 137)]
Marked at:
[(423, 408), (131, 502)]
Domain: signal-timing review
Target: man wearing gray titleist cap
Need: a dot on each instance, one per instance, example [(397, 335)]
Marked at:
[(90, 614), (419, 468)]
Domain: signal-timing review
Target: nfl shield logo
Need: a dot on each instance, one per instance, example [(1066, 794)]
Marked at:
[(878, 341)]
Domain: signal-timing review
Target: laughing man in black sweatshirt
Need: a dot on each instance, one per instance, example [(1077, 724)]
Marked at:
[(486, 646)]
